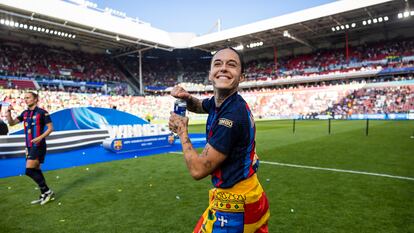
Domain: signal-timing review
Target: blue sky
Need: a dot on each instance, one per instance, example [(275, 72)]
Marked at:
[(199, 16)]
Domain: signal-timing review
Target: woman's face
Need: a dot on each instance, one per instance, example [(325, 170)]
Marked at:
[(30, 100), (225, 70)]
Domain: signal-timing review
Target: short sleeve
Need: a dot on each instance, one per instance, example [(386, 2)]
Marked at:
[(20, 117), (47, 118), (225, 133), (207, 104)]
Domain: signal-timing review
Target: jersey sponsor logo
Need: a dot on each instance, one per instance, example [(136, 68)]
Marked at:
[(225, 122)]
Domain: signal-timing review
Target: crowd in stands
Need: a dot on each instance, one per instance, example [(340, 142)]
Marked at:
[(376, 100), (369, 56), (158, 72), (44, 64), (167, 73), (266, 103), (49, 63)]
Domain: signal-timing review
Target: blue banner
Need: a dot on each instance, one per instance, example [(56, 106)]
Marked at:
[(122, 145), (397, 116), (397, 70), (391, 116)]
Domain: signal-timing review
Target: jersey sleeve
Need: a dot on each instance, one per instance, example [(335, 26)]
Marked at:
[(47, 118), (225, 133), (207, 104), (20, 117)]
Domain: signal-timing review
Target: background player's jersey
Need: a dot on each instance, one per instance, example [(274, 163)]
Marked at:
[(231, 130), (34, 125)]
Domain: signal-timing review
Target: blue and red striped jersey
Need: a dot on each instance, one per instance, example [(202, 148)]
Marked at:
[(231, 130), (34, 123)]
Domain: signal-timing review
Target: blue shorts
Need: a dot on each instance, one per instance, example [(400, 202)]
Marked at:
[(36, 153)]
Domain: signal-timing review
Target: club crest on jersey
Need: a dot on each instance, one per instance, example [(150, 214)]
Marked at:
[(225, 122)]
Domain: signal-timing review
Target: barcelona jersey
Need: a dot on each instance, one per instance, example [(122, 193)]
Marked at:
[(231, 130), (34, 122)]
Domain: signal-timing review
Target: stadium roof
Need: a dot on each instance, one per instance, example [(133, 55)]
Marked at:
[(81, 23), (313, 26)]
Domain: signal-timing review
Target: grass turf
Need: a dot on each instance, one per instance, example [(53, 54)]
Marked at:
[(156, 193)]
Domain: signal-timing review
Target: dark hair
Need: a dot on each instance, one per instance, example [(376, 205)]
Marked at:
[(35, 95), (238, 54)]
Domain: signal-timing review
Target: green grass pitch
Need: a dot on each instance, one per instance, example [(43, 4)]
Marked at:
[(156, 194)]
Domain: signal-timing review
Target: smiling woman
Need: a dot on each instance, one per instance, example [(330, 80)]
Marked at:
[(226, 72), (238, 202)]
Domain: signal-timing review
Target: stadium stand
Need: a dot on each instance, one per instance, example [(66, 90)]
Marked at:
[(55, 68), (394, 95), (368, 56), (336, 97)]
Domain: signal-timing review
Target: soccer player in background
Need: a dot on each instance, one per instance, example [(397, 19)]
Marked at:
[(237, 201), (4, 130), (35, 119)]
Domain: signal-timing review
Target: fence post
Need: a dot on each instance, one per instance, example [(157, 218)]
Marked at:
[(294, 126), (366, 128), (329, 126)]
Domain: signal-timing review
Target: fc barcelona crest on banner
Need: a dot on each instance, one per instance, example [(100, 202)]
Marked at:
[(118, 144)]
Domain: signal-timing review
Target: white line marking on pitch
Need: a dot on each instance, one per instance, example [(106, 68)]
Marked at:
[(176, 152), (338, 170)]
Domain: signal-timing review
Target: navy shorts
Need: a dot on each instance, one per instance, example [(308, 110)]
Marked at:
[(36, 153)]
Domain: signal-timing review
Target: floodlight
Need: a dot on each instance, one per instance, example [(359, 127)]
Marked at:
[(25, 26), (412, 13), (369, 21), (385, 18), (400, 15), (380, 19), (406, 14), (117, 38), (337, 28), (364, 22), (31, 27), (239, 47), (47, 30), (16, 24), (353, 25), (1, 21), (347, 26), (342, 27), (375, 20), (7, 22)]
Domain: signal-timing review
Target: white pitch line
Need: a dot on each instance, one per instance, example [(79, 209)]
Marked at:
[(176, 152), (338, 170)]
